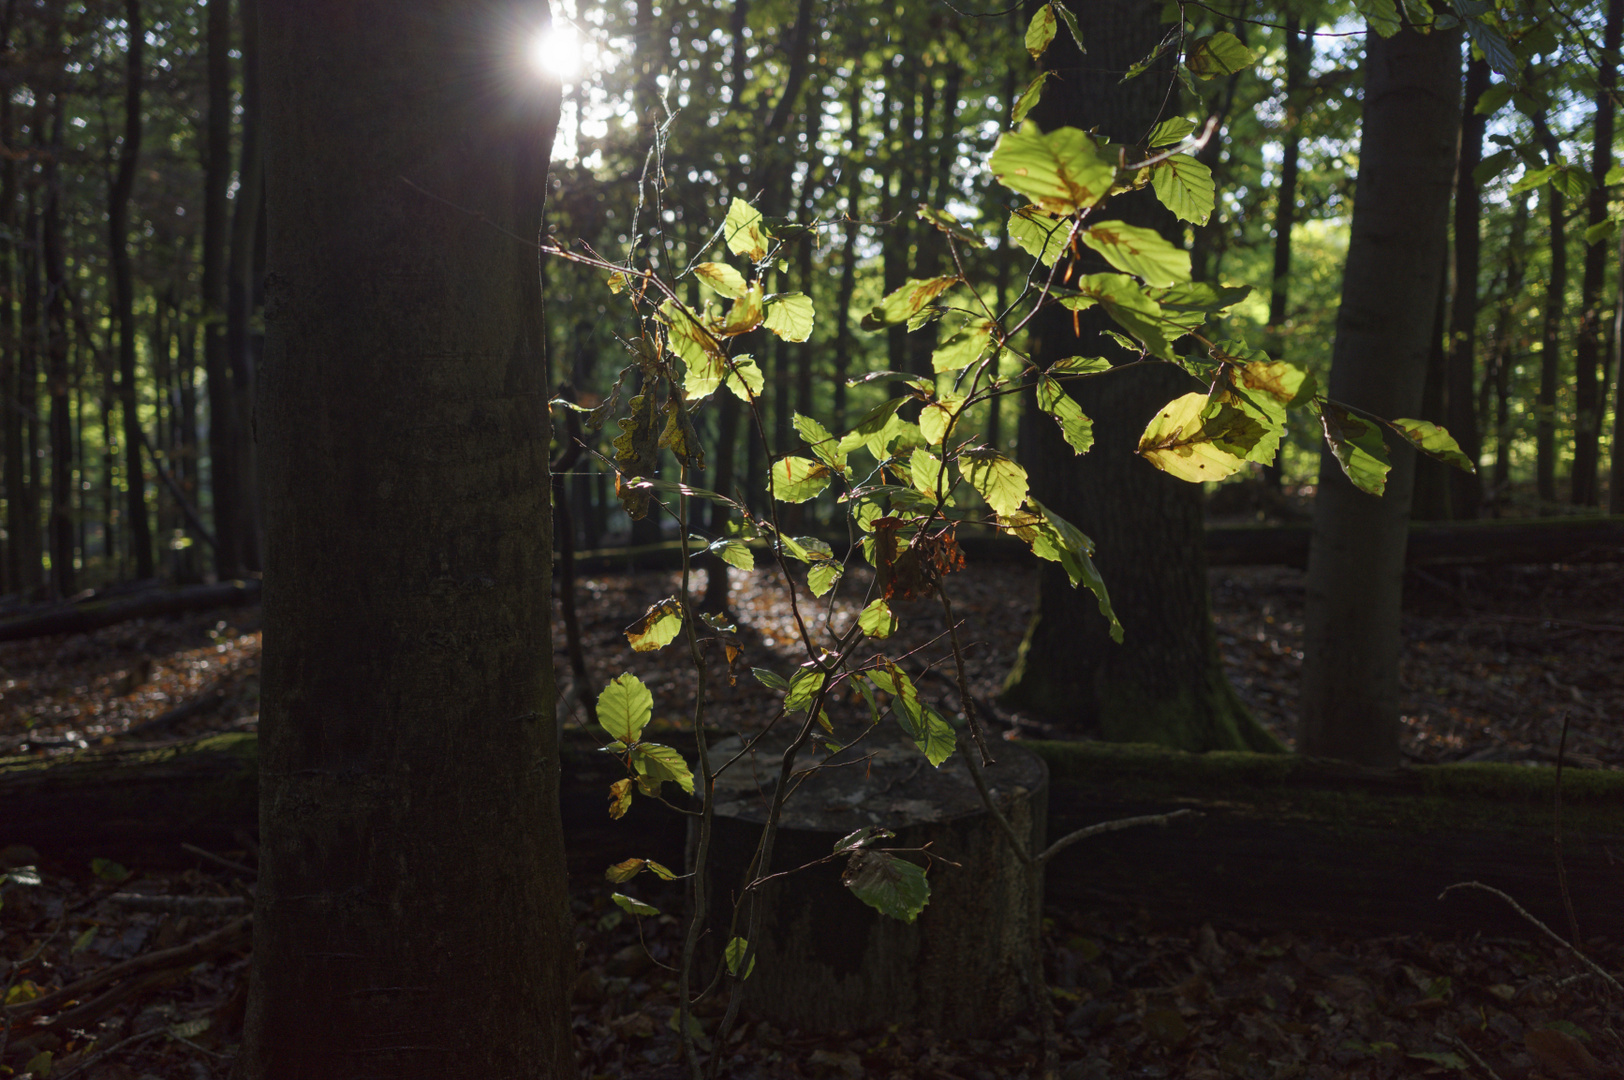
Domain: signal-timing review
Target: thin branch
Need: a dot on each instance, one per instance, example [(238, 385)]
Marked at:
[(1112, 826), (1595, 968)]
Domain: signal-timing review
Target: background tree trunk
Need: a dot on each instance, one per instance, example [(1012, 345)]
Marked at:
[(1460, 413), (240, 289), (1550, 348), (1165, 683), (411, 915), (1411, 115), (223, 486), (58, 379)]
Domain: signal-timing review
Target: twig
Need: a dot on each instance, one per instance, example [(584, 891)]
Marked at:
[(1111, 826), (1546, 930), (1460, 1044), (1556, 835), (190, 905), (122, 1044), (227, 863)]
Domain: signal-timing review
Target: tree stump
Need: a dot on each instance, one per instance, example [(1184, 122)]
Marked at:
[(829, 962)]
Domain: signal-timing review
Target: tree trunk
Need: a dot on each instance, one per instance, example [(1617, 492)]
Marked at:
[(1429, 500), (223, 479), (1165, 683), (240, 290), (1615, 483), (1356, 563), (11, 427), (1516, 266), (57, 380), (1589, 375), (1550, 347), (411, 915), (848, 252), (1460, 413)]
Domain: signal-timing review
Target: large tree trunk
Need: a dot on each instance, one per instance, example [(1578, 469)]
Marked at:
[(1395, 253), (1589, 375), (118, 217), (411, 918), (240, 289), (1165, 683), (1460, 413)]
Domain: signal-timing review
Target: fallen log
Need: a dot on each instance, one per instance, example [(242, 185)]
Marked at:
[(149, 604), (1283, 840)]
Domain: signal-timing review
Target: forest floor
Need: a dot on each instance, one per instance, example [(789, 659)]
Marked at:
[(1495, 662)]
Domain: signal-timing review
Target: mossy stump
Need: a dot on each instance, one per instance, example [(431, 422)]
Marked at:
[(829, 962)]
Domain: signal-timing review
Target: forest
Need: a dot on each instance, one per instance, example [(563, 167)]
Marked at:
[(768, 538)]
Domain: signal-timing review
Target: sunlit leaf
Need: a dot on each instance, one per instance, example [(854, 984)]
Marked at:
[(963, 348), (1184, 185), (1054, 538), (1170, 132), (1061, 171), (744, 231), (822, 577), (620, 798), (1077, 429), (721, 278), (939, 740), (770, 679), (1145, 253), (1070, 19), (903, 303), (1000, 481), (1129, 306), (1358, 447), (820, 442), (745, 313), (876, 621), (656, 764), (737, 949), (734, 553), (950, 225), (789, 315), (803, 687), (1178, 442), (624, 870), (658, 627), (936, 417), (624, 707), (744, 378), (889, 885), (1040, 31), (876, 429), (925, 468), (797, 479), (1217, 55), (1080, 365), (1029, 97), (633, 907), (1434, 441), (1039, 234)]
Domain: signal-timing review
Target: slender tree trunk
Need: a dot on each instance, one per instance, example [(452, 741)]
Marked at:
[(1550, 348), (11, 421), (224, 485), (1165, 683), (848, 252), (57, 380), (1411, 118), (1299, 55), (1516, 268), (1460, 414), (896, 244), (411, 916), (1429, 499), (240, 290), (118, 217), (29, 539), (1615, 482), (1589, 375)]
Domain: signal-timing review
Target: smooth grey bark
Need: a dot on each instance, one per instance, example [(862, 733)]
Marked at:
[(1410, 121), (1589, 373), (118, 218), (1165, 683), (411, 916)]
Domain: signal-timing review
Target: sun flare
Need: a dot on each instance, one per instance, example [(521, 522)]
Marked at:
[(557, 52)]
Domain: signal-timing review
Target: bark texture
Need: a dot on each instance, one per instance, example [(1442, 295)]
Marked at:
[(411, 916), (1165, 683), (1395, 254)]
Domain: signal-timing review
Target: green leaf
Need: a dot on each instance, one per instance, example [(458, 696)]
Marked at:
[(1054, 538), (734, 553), (1129, 306), (1603, 231), (903, 303), (924, 469), (658, 627), (721, 278), (1184, 185), (1061, 171), (820, 442), (1497, 52), (633, 907), (1358, 447), (963, 348), (770, 679), (624, 707), (998, 479), (745, 313), (1434, 441), (656, 764), (822, 577), (1029, 97), (737, 949), (803, 687), (806, 548), (797, 479), (1382, 15), (1039, 234), (620, 798), (1177, 441), (1170, 132), (889, 885), (1040, 31), (1533, 178), (744, 231), (937, 416), (939, 741), (745, 378), (624, 870), (1493, 165), (875, 430), (876, 621), (1080, 365), (1281, 380), (1077, 429), (950, 225), (1220, 54), (789, 315), (1070, 19), (82, 942), (1145, 253)]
